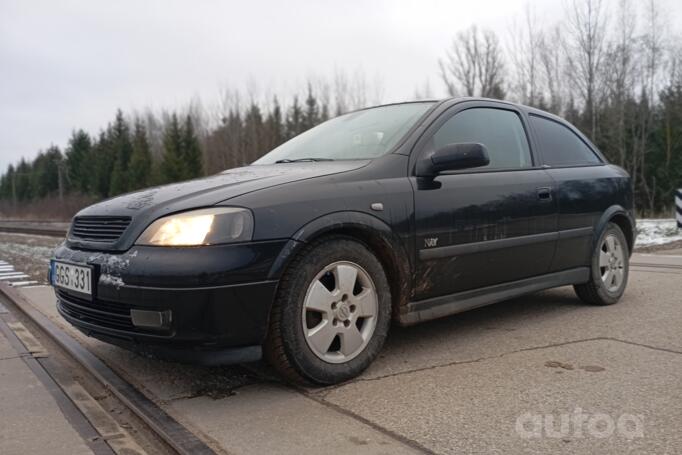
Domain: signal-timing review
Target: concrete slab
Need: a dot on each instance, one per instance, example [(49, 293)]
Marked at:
[(474, 407), (6, 349), (649, 313), (272, 419), (30, 419)]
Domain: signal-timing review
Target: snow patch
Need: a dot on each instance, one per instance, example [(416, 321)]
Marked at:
[(657, 232), (32, 252), (111, 280)]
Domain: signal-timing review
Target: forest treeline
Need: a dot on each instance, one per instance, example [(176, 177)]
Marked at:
[(138, 151), (612, 68)]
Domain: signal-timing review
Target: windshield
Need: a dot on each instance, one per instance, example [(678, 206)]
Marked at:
[(359, 135)]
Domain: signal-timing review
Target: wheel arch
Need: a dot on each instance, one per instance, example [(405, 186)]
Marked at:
[(623, 219), (369, 230)]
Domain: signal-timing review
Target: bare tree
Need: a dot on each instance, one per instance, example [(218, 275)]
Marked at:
[(652, 49), (653, 44), (341, 92), (490, 66), (621, 71), (524, 47), (585, 49), (473, 65), (424, 91), (460, 65), (359, 90), (377, 90), (552, 66), (355, 91)]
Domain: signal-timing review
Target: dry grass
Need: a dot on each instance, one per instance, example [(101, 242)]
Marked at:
[(47, 209)]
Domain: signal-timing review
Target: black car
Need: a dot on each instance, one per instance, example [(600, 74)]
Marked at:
[(404, 212)]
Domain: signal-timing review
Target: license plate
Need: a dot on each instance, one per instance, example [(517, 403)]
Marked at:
[(72, 277)]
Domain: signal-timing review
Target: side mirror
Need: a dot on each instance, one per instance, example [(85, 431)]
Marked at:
[(453, 157)]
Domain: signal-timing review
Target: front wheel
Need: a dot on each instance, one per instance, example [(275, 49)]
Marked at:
[(331, 315), (609, 269)]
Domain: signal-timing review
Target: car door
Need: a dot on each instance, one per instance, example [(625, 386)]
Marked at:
[(484, 226), (582, 189)]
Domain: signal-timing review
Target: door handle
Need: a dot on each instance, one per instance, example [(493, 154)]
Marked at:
[(545, 194)]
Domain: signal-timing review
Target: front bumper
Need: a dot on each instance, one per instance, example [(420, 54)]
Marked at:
[(212, 302)]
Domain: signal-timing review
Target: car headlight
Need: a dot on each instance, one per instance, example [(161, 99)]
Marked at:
[(200, 227)]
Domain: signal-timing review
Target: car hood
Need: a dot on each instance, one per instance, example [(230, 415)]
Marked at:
[(147, 205)]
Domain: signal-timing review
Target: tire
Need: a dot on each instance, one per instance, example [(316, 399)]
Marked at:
[(609, 269), (316, 302)]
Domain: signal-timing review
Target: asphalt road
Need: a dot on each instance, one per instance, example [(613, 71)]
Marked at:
[(538, 374)]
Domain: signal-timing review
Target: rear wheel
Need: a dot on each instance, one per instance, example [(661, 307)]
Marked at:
[(609, 270), (331, 315)]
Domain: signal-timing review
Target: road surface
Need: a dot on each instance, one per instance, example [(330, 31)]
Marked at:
[(539, 374)]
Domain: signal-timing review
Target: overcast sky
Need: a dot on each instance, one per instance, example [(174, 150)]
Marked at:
[(68, 64)]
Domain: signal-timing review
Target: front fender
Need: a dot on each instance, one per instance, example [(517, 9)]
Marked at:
[(365, 227)]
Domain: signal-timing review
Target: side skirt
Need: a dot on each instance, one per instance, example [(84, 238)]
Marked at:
[(437, 307)]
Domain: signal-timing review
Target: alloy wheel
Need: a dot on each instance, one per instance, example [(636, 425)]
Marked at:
[(611, 263), (340, 312)]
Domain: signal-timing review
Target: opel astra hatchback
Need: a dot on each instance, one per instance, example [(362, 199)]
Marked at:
[(403, 212)]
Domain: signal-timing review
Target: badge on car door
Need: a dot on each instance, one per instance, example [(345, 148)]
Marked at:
[(431, 242)]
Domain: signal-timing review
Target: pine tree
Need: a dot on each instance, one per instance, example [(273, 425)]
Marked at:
[(141, 159), (191, 151), (23, 181), (294, 122), (172, 169), (274, 130), (79, 161), (6, 183), (233, 140), (324, 113), (122, 149), (253, 134), (119, 179), (54, 177), (38, 176), (312, 111), (103, 162)]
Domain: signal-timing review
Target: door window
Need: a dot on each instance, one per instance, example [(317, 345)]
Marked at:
[(560, 146), (501, 131)]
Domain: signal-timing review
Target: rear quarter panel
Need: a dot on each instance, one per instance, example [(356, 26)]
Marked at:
[(584, 195)]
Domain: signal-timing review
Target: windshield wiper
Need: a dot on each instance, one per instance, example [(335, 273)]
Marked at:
[(299, 160)]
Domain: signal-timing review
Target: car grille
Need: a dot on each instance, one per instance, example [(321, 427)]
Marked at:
[(107, 229), (101, 313)]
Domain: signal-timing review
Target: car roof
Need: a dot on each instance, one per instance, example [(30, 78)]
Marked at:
[(448, 102), (461, 99)]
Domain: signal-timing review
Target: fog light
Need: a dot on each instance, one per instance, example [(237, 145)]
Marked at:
[(151, 319)]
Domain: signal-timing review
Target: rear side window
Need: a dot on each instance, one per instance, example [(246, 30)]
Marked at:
[(501, 132), (559, 145)]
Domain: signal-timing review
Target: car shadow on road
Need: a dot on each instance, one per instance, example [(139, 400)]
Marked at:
[(506, 315)]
